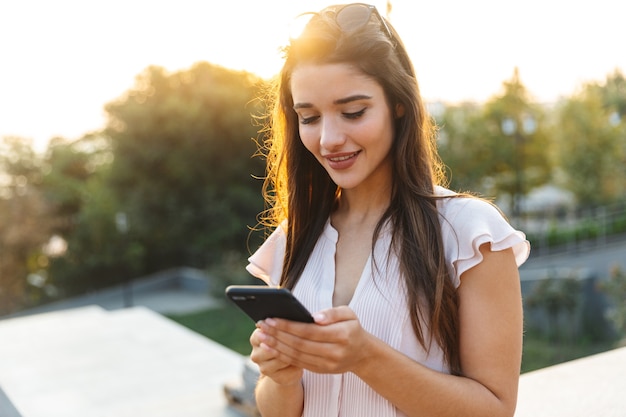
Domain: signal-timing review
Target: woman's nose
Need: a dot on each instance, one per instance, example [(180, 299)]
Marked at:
[(331, 135)]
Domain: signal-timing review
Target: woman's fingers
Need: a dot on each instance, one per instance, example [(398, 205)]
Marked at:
[(334, 315), (269, 362), (331, 345)]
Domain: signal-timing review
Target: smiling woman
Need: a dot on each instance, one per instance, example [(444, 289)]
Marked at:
[(336, 104), (401, 275)]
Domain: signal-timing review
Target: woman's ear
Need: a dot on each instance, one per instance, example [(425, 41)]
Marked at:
[(399, 110)]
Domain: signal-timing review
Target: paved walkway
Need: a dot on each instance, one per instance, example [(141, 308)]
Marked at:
[(170, 292), (597, 260)]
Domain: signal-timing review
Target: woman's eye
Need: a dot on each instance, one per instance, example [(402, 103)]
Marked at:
[(354, 115), (308, 120)]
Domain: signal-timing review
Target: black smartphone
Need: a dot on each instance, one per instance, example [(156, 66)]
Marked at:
[(261, 302)]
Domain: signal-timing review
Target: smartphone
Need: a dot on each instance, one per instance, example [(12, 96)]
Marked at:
[(261, 302)]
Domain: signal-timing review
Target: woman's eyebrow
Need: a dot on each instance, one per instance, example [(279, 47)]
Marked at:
[(355, 97), (302, 106), (343, 100)]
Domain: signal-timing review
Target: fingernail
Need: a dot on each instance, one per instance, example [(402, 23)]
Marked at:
[(270, 322), (319, 317)]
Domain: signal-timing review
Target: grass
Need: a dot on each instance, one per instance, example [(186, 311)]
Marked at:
[(232, 328), (227, 325), (540, 352)]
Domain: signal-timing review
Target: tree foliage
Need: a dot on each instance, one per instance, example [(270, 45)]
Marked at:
[(482, 157), (463, 147), (84, 207), (591, 147), (524, 152), (612, 92), (176, 159), (25, 221), (615, 289), (182, 167)]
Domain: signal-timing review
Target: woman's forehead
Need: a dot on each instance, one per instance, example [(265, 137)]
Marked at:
[(330, 80)]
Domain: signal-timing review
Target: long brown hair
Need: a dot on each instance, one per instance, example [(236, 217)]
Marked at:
[(301, 195)]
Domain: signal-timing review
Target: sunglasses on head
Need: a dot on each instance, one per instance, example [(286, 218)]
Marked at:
[(349, 18), (355, 15)]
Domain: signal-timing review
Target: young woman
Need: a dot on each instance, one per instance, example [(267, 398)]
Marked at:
[(415, 289)]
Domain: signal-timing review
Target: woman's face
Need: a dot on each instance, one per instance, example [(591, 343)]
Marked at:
[(345, 122)]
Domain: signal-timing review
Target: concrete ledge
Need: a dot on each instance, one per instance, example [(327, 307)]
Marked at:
[(6, 406), (132, 362), (591, 386)]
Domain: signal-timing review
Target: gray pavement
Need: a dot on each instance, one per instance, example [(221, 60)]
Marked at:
[(176, 291), (597, 260)]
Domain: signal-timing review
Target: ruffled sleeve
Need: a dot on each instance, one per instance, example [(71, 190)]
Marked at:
[(267, 262), (468, 223)]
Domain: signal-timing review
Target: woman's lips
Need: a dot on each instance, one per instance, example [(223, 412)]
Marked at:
[(342, 161)]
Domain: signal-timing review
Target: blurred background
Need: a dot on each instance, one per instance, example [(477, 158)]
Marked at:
[(128, 129)]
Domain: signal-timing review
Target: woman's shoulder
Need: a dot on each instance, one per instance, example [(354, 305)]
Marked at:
[(467, 222), (266, 262), (455, 207)]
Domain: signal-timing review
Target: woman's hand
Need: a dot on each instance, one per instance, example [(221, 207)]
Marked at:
[(269, 365), (279, 390), (335, 343)]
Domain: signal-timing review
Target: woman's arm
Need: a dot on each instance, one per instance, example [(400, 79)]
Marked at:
[(279, 390), (273, 399), (490, 348), (491, 328)]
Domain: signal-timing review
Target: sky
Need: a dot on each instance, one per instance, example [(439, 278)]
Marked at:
[(61, 61)]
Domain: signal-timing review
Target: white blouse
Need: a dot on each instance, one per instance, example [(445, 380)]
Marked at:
[(379, 300)]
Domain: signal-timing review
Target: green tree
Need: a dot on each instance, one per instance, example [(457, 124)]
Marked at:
[(25, 223), (613, 96), (182, 169), (518, 135), (590, 148), (615, 289), (84, 208), (613, 92), (483, 157), (557, 296), (67, 169), (464, 149)]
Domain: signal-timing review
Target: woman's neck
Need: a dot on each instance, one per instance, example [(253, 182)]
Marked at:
[(361, 207)]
